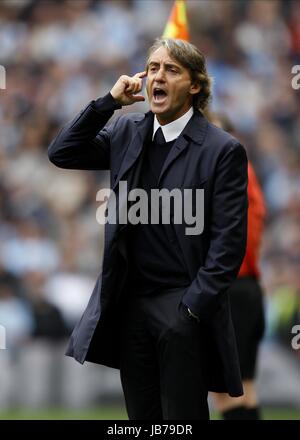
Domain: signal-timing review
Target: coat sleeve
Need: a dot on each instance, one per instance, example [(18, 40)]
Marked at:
[(228, 232), (84, 143)]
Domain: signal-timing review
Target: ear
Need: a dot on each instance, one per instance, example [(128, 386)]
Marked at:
[(195, 88)]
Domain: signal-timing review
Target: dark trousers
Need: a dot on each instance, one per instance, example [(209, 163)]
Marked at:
[(161, 360)]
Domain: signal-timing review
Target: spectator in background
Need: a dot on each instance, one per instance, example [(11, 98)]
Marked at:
[(47, 319), (16, 323), (15, 314), (246, 300)]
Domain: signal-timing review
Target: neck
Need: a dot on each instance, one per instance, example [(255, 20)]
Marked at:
[(167, 119)]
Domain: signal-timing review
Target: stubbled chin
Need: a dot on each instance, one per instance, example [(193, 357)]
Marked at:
[(158, 107)]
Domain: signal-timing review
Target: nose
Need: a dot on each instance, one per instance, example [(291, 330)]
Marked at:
[(160, 75)]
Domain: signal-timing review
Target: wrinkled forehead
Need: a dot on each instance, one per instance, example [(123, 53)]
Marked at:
[(162, 56)]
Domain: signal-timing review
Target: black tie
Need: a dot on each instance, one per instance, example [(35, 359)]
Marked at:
[(159, 137)]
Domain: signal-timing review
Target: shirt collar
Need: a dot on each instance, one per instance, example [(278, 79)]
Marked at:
[(172, 130)]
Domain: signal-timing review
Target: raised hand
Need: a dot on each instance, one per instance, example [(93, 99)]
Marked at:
[(125, 89)]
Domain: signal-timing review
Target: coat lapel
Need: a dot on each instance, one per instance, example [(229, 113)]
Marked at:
[(179, 146), (195, 131), (136, 146)]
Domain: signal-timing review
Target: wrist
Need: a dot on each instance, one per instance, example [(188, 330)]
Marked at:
[(106, 104), (117, 100)]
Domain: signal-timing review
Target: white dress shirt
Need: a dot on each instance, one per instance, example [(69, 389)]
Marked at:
[(172, 130)]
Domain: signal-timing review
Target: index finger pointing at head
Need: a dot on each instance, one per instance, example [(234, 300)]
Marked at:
[(141, 74)]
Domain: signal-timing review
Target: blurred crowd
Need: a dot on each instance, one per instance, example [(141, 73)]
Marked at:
[(58, 56)]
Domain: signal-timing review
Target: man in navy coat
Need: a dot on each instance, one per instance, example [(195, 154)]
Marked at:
[(159, 310)]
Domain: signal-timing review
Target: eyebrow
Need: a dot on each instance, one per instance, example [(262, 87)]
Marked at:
[(154, 63)]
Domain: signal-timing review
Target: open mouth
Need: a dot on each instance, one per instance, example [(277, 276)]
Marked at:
[(159, 95)]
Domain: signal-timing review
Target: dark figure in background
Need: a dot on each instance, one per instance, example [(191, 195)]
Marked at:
[(49, 324), (160, 310)]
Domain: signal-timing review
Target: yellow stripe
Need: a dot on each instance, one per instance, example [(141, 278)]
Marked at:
[(170, 30), (181, 12)]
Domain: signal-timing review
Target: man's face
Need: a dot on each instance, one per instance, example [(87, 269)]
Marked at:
[(169, 86)]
